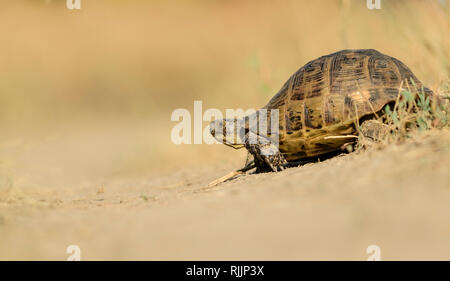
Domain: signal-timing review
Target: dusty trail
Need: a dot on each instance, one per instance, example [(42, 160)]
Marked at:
[(397, 198), (86, 155)]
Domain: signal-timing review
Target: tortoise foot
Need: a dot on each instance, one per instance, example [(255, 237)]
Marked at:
[(266, 155)]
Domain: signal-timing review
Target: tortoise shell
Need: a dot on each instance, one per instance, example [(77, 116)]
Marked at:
[(329, 94)]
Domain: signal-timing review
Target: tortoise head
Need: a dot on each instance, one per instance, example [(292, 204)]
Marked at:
[(228, 132)]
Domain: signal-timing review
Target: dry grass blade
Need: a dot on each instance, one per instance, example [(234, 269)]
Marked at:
[(225, 178), (231, 175)]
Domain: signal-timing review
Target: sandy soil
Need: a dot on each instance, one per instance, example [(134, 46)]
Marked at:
[(397, 198), (86, 158)]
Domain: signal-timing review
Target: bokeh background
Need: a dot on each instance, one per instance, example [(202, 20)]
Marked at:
[(85, 151), (87, 93)]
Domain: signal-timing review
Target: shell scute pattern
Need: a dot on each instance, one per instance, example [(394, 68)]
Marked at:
[(327, 95)]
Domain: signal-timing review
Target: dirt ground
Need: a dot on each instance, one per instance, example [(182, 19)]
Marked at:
[(397, 198), (86, 157)]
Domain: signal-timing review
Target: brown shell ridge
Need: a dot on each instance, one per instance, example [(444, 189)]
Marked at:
[(288, 101), (303, 114), (327, 95), (325, 105)]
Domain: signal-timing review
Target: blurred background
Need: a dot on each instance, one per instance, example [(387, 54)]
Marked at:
[(89, 93), (86, 156)]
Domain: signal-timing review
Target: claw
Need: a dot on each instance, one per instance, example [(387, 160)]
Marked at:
[(270, 164)]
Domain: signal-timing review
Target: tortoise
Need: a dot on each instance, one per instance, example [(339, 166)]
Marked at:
[(319, 106)]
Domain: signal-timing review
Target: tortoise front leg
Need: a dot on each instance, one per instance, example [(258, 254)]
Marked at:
[(266, 154)]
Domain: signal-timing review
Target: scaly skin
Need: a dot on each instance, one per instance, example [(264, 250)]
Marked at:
[(266, 155)]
